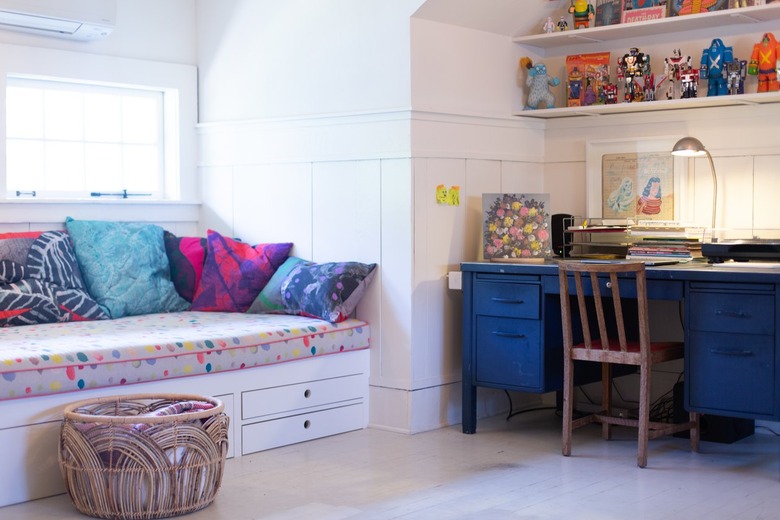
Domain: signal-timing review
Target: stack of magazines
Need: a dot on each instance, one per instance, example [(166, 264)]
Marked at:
[(665, 240)]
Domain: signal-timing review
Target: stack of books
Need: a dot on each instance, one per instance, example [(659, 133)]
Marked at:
[(665, 240)]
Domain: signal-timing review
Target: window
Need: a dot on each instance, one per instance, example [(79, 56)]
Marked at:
[(81, 140)]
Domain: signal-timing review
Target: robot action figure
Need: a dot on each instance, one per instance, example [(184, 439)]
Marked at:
[(735, 76), (689, 82), (763, 62), (673, 66), (633, 65), (714, 60)]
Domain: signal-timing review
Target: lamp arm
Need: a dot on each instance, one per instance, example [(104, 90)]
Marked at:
[(714, 190)]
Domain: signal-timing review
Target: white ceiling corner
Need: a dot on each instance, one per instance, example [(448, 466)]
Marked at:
[(506, 17)]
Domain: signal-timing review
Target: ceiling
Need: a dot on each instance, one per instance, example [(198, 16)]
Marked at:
[(507, 17)]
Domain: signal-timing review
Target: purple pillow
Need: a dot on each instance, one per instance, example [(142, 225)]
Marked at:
[(235, 273)]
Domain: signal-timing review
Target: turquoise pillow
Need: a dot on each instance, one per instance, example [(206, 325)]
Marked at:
[(125, 267), (270, 298)]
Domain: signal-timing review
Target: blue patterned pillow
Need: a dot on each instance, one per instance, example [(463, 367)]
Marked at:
[(329, 291), (270, 298), (125, 267)]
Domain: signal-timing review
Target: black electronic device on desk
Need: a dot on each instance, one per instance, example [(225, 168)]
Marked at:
[(766, 250)]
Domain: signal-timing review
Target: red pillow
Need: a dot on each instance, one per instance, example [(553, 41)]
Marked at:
[(235, 272), (186, 256)]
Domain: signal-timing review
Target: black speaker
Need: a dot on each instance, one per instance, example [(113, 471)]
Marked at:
[(712, 428), (560, 240)]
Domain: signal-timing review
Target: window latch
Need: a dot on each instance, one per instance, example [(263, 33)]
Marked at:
[(123, 194)]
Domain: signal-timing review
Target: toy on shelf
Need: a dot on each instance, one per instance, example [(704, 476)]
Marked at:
[(689, 82), (683, 7), (549, 25), (714, 60), (736, 72), (574, 84), (633, 65), (586, 76), (563, 25), (673, 67), (539, 82), (610, 94), (582, 13), (608, 12), (763, 63), (649, 86)]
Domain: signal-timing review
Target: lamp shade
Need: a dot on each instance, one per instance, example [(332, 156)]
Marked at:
[(689, 147)]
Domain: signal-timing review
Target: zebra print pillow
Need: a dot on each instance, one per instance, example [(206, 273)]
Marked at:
[(40, 281)]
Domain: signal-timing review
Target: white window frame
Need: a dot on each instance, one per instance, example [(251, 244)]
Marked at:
[(177, 81), (80, 87)]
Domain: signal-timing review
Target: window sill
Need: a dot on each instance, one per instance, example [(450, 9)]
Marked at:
[(52, 212)]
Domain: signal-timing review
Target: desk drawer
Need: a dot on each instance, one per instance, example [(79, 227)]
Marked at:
[(508, 352), (512, 300), (732, 312), (656, 289), (731, 373)]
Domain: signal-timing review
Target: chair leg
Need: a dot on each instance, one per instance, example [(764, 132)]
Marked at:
[(644, 415), (695, 432), (606, 398), (568, 402)]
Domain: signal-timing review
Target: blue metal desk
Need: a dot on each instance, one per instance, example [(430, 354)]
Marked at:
[(512, 333)]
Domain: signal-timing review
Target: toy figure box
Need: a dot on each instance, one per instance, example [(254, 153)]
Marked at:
[(643, 10), (608, 12), (684, 7), (586, 77)]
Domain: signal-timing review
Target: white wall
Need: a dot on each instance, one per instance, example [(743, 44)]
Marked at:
[(266, 58)]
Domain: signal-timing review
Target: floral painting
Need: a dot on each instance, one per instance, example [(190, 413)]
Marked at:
[(517, 226)]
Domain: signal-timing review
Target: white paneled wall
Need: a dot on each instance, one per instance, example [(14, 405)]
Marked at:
[(273, 203)]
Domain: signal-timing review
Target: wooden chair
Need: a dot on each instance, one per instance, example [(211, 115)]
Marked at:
[(613, 345)]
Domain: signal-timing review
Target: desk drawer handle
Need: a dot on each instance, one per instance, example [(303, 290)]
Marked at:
[(740, 353), (508, 334), (506, 300), (732, 314)]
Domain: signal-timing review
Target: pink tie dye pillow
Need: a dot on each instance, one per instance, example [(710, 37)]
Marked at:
[(235, 272)]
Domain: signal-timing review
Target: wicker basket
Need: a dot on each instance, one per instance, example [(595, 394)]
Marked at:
[(140, 456)]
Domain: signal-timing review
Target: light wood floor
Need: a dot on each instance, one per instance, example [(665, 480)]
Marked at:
[(507, 470)]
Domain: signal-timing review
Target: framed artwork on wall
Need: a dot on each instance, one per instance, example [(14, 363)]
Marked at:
[(634, 179), (516, 227)]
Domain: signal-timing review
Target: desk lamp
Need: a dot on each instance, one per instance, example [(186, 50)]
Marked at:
[(692, 147)]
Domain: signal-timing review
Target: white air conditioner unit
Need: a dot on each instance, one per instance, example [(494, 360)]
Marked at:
[(72, 19)]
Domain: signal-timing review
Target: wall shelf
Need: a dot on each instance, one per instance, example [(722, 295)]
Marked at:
[(562, 43), (676, 24), (653, 106)]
